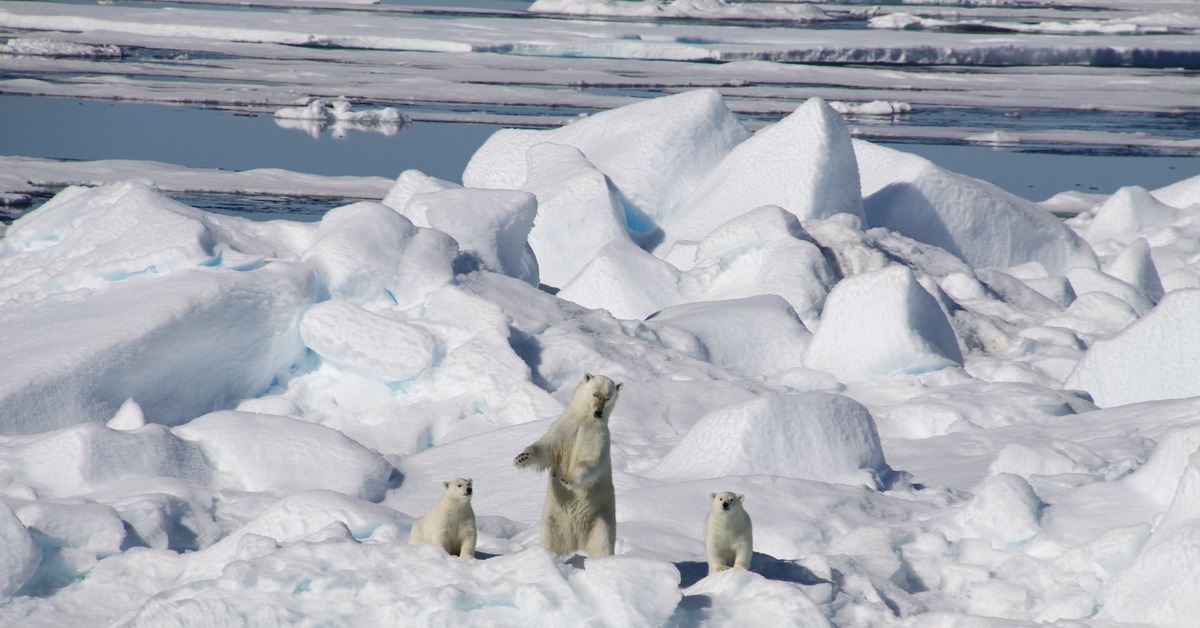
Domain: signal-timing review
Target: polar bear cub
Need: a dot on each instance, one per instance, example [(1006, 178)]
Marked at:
[(451, 521), (728, 535), (580, 511)]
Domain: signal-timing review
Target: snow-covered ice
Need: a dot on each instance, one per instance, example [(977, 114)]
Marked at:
[(942, 403), (945, 405)]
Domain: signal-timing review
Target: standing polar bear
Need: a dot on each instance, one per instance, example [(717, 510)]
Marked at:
[(451, 521), (728, 535), (580, 512)]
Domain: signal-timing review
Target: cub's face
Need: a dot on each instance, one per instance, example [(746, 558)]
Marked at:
[(726, 501), (601, 394), (459, 487)]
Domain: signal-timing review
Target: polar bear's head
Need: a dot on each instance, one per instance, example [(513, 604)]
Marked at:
[(459, 488), (598, 393), (726, 501)]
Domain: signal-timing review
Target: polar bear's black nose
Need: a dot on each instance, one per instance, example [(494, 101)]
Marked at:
[(469, 489), (725, 506)]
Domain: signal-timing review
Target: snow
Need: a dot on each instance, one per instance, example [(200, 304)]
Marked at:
[(804, 163), (984, 225), (945, 405), (47, 47), (655, 152), (318, 114), (835, 441), (1154, 358), (879, 324), (697, 9)]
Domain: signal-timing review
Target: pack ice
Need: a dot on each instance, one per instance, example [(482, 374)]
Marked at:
[(943, 405)]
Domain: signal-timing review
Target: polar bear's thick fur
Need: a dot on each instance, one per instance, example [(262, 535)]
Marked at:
[(580, 512), (451, 521), (728, 535)]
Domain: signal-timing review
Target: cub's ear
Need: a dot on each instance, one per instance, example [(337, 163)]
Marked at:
[(470, 481), (712, 495), (619, 385), (741, 498), (445, 484), (587, 377)]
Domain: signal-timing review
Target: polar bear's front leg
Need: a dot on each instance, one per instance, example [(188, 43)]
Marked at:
[(718, 560), (741, 558), (535, 455), (468, 545)]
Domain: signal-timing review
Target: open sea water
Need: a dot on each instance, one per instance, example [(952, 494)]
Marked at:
[(84, 129)]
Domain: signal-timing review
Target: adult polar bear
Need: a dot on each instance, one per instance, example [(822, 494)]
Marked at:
[(580, 512)]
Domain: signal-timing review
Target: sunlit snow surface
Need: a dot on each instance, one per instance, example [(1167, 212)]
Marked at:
[(943, 405)]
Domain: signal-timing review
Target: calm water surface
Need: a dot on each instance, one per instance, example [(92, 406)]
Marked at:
[(82, 129)]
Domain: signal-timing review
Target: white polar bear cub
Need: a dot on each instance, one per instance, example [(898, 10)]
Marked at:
[(580, 512), (451, 521), (728, 535)]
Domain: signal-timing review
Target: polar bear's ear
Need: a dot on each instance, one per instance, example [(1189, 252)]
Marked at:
[(445, 484), (741, 498), (619, 385), (712, 495), (587, 377)]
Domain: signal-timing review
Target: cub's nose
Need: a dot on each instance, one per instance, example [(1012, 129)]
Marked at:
[(725, 506), (469, 490)]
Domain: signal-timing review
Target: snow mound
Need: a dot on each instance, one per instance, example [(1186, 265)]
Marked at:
[(340, 110), (492, 225), (258, 452), (812, 436), (351, 337), (123, 230), (773, 337), (21, 555), (739, 593), (881, 324), (95, 528), (1157, 587), (654, 151), (229, 335), (625, 280), (1088, 280), (128, 417), (872, 108), (1159, 478), (1129, 212), (976, 221), (409, 184), (47, 47), (1005, 511), (366, 252), (763, 251), (346, 582), (83, 458), (73, 537), (1182, 194), (1134, 265), (1155, 358), (574, 200), (805, 163)]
